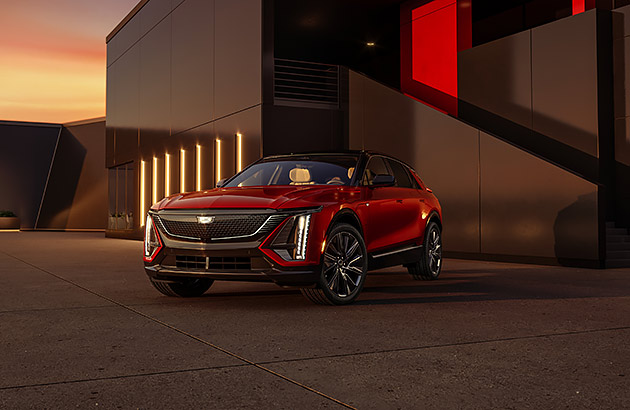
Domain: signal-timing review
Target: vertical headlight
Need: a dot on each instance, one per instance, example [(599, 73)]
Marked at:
[(292, 240), (152, 242), (301, 236)]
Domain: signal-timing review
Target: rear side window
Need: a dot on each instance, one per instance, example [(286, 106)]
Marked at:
[(376, 166), (403, 180)]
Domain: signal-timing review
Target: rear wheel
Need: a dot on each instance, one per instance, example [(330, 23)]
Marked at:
[(430, 264), (187, 288), (344, 266)]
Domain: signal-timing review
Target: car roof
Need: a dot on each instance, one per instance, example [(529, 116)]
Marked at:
[(339, 152)]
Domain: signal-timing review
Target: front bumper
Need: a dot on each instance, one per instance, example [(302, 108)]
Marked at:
[(235, 262)]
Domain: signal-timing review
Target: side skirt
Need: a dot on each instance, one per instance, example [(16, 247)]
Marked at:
[(396, 256)]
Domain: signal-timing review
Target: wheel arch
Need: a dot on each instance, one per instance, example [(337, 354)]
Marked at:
[(434, 217), (348, 216)]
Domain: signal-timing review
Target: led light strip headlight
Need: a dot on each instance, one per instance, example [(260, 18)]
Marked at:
[(152, 242), (301, 236), (291, 242)]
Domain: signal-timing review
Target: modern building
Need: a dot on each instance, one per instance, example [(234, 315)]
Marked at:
[(515, 112), (53, 175)]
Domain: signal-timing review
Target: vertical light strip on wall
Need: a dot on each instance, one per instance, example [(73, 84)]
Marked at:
[(155, 181), (167, 175), (182, 170), (218, 160), (239, 152), (198, 167), (143, 175)]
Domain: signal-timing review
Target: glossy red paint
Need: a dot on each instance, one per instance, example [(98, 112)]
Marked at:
[(388, 215)]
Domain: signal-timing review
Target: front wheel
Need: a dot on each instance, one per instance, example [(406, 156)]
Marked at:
[(344, 266), (188, 288), (430, 264)]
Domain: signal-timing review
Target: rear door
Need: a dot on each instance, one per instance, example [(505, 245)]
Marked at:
[(409, 201)]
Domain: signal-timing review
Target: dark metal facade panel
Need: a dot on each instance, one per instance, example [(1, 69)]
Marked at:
[(123, 40), (124, 117), (155, 82), (192, 77), (497, 76), (564, 81), (249, 124), (152, 13), (238, 55), (530, 207)]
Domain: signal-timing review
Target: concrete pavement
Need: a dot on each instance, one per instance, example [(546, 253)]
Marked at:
[(80, 326)]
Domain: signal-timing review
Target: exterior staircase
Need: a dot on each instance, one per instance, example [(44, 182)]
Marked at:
[(617, 246)]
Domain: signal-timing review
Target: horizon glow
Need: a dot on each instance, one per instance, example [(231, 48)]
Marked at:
[(53, 65)]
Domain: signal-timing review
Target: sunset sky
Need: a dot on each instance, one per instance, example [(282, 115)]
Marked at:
[(53, 57)]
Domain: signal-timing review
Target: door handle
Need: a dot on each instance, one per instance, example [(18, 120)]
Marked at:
[(400, 201), (421, 200)]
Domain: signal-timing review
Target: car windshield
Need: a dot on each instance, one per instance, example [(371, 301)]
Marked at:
[(308, 170)]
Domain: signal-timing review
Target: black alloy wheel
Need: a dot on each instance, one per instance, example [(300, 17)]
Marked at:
[(430, 264), (188, 288), (344, 266)]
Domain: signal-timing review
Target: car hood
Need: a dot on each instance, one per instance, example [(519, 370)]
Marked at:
[(269, 197)]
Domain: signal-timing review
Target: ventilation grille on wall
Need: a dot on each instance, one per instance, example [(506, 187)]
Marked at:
[(300, 83)]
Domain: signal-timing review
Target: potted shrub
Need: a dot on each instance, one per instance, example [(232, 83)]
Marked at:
[(9, 221)]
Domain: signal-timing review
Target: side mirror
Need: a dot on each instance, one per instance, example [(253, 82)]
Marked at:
[(221, 182), (383, 180)]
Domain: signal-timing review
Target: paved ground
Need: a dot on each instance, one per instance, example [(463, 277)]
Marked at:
[(80, 326)]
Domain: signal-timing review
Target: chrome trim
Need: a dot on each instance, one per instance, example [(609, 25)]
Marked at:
[(409, 248)]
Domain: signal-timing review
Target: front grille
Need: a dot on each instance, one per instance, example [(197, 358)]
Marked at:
[(213, 263), (222, 227)]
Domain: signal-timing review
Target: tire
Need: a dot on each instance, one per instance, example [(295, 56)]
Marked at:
[(188, 288), (430, 264), (343, 268)]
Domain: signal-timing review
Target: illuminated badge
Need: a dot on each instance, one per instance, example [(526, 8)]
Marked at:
[(205, 219)]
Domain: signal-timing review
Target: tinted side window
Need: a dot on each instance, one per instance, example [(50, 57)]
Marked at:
[(401, 174), (376, 166)]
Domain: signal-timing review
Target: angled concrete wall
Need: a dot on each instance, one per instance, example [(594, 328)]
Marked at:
[(497, 200)]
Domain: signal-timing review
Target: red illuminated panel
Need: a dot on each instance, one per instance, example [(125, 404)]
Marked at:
[(580, 6), (434, 45)]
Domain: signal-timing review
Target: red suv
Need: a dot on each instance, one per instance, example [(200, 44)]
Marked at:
[(317, 221)]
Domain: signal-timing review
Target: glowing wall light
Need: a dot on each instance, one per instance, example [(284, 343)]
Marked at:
[(167, 175), (155, 180), (218, 160), (239, 152), (198, 167), (182, 170), (143, 174)]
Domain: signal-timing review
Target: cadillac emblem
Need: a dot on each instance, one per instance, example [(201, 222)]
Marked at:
[(205, 219)]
